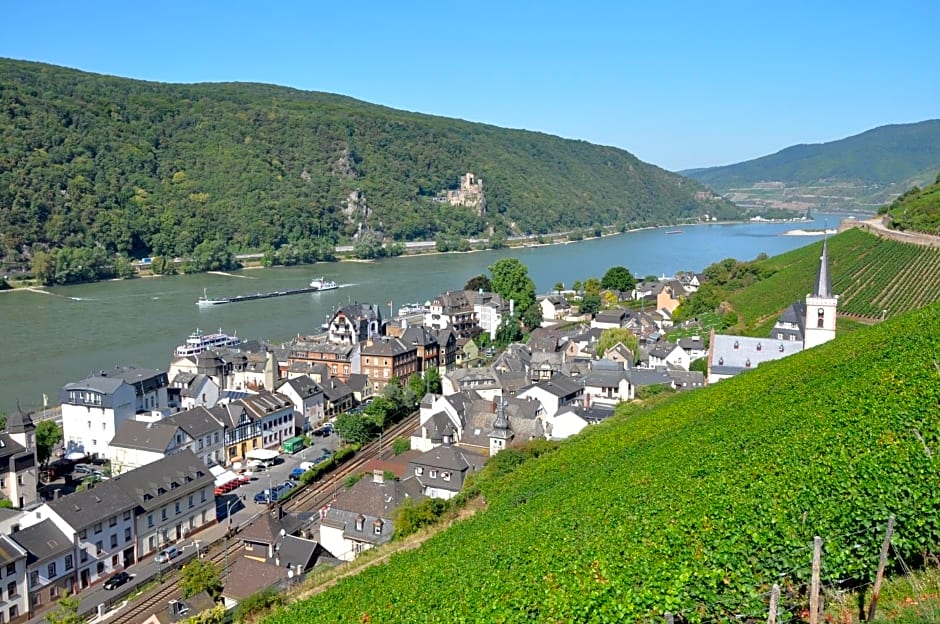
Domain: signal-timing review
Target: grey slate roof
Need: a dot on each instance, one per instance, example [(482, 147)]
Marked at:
[(9, 447), (373, 501), (449, 457), (10, 551), (145, 436), (559, 385), (640, 377), (304, 386), (142, 485), (196, 422), (823, 280), (335, 390), (19, 421), (605, 374), (686, 380), (83, 509), (295, 551), (43, 541), (731, 355)]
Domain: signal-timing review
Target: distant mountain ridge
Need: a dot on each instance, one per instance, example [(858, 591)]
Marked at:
[(143, 168), (866, 169)]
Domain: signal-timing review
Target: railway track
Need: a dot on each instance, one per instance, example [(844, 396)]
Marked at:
[(224, 553)]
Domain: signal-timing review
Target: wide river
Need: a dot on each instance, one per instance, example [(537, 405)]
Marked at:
[(64, 336)]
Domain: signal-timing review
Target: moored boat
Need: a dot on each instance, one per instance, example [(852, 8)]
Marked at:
[(199, 342), (320, 283)]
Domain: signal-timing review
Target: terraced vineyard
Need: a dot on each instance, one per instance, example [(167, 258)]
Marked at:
[(870, 274), (696, 506)]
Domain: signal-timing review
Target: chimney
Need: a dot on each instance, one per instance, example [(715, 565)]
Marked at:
[(378, 476), (56, 493)]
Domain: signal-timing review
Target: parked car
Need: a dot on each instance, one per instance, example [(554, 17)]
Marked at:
[(296, 473), (117, 580), (167, 554), (83, 469), (269, 496)]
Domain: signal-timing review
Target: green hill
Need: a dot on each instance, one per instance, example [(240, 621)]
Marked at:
[(917, 210), (143, 168), (870, 274), (696, 506), (864, 170)]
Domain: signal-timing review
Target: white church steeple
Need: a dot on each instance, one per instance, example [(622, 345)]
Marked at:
[(821, 306)]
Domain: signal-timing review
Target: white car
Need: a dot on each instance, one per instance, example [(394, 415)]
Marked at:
[(167, 554)]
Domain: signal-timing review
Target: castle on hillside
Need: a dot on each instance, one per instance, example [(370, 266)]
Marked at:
[(470, 194), (803, 325)]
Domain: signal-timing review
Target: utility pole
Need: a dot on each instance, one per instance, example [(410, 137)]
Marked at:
[(774, 599)]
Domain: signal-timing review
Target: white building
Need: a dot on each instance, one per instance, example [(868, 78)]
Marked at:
[(307, 397), (92, 409), (13, 597)]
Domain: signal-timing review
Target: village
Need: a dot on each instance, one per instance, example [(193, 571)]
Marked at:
[(157, 464)]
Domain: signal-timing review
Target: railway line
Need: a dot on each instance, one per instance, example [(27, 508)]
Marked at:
[(225, 552)]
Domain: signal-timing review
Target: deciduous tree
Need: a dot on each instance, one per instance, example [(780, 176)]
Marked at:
[(200, 575), (510, 279), (618, 278), (48, 434)]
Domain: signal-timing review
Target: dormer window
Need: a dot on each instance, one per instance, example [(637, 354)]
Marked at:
[(433, 474), (377, 526), (758, 346), (780, 348), (419, 470), (360, 522), (445, 476), (736, 345), (747, 364), (160, 491)]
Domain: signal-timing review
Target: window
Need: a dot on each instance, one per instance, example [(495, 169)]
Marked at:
[(149, 521), (19, 479), (820, 316), (84, 556), (100, 547), (163, 514), (112, 521), (51, 571), (11, 569), (191, 501), (53, 592), (98, 528), (14, 611), (445, 476), (34, 578), (69, 563), (419, 470), (360, 522), (89, 424), (433, 474), (127, 534), (377, 527), (127, 516), (216, 437), (37, 599), (203, 496), (114, 541), (177, 508), (11, 589), (152, 542)]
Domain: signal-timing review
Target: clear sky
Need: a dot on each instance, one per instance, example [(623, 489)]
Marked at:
[(680, 85)]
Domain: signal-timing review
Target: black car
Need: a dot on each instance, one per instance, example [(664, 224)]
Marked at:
[(117, 580)]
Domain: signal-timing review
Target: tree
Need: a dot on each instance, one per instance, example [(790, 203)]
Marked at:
[(559, 286), (67, 613), (200, 575), (700, 365), (401, 445), (610, 337), (480, 282), (532, 316), (215, 615), (355, 428), (590, 304), (576, 286), (48, 434), (508, 332), (510, 279), (592, 286), (618, 278)]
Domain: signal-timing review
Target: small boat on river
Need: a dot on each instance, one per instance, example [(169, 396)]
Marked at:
[(320, 283), (204, 301)]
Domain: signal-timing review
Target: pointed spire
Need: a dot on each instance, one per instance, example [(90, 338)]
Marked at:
[(823, 281), (19, 421), (501, 422)]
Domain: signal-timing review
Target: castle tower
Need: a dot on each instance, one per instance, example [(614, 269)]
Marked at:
[(821, 306)]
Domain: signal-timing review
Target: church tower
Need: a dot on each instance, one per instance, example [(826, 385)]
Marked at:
[(821, 306)]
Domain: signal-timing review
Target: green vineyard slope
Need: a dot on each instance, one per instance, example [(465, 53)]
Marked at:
[(696, 506)]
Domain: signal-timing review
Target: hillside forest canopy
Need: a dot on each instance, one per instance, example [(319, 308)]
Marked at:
[(117, 167)]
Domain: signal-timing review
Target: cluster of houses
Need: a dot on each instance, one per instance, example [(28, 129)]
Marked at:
[(172, 436)]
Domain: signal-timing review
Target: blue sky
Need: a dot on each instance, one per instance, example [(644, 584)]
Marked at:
[(678, 84)]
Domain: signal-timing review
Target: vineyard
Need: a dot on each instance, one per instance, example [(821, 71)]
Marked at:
[(870, 275), (696, 506)]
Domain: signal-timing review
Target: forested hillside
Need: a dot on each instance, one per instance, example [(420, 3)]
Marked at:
[(881, 156), (861, 172), (918, 210), (140, 168), (697, 506)]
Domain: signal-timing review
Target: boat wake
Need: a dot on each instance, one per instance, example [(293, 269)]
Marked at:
[(231, 274)]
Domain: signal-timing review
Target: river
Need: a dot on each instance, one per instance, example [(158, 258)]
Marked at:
[(56, 338)]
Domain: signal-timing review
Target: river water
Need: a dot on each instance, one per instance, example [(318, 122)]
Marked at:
[(56, 338)]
